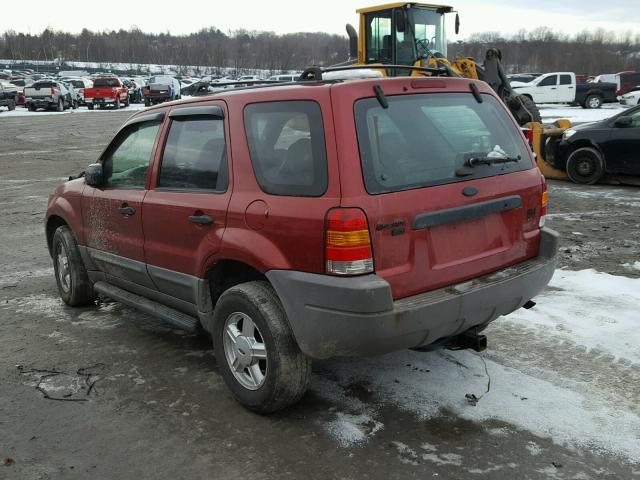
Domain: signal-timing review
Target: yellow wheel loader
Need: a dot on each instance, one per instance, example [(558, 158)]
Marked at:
[(413, 34)]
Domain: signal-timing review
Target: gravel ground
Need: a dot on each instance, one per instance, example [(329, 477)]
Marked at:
[(106, 392)]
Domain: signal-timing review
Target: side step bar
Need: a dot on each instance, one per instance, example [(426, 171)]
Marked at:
[(168, 314)]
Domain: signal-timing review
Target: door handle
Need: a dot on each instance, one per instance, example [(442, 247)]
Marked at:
[(553, 88), (201, 219), (126, 210)]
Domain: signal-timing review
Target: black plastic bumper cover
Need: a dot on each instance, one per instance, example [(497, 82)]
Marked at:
[(346, 317)]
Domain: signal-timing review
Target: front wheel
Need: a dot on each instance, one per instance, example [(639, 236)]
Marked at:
[(73, 282), (585, 166), (117, 104), (593, 101), (256, 351), (126, 102), (60, 106), (11, 105)]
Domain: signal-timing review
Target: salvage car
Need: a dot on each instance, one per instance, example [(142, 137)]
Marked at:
[(160, 89), (588, 152), (107, 92), (561, 87), (311, 221), (8, 95), (48, 94), (631, 98)]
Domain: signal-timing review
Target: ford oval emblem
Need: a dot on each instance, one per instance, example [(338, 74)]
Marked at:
[(470, 191)]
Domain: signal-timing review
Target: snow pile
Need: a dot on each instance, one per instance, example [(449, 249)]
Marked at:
[(593, 309), (632, 266)]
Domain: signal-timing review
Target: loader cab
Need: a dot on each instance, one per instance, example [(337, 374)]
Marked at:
[(402, 34)]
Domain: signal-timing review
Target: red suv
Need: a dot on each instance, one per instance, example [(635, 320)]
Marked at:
[(311, 220)]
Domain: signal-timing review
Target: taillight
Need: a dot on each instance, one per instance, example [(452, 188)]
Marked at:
[(544, 203), (348, 244), (54, 90)]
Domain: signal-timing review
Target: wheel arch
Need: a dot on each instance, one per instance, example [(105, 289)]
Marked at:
[(53, 223)]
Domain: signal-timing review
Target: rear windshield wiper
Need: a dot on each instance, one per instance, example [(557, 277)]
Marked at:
[(473, 161)]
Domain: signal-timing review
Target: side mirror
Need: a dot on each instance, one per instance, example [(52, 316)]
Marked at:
[(623, 121), (400, 19), (93, 175), (457, 24), (353, 42)]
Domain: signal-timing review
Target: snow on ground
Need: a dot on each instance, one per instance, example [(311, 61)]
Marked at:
[(552, 112), (592, 309), (23, 112)]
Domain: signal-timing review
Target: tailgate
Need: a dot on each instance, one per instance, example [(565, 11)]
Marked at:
[(446, 237), (449, 185), (100, 92)]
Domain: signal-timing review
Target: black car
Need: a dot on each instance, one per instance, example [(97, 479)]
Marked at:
[(612, 146)]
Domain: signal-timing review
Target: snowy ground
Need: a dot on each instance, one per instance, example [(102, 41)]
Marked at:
[(589, 314), (550, 112), (21, 111)]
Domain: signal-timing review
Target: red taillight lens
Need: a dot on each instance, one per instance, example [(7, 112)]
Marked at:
[(348, 243), (544, 203), (528, 134), (54, 90)]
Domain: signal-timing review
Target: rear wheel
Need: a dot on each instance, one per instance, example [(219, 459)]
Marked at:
[(256, 351), (11, 105), (117, 104), (593, 101), (60, 106), (585, 166), (126, 102), (71, 276)]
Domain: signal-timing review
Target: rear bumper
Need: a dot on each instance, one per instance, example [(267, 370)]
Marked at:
[(336, 317)]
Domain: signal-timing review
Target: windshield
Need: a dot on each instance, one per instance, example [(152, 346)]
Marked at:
[(428, 28), (431, 139)]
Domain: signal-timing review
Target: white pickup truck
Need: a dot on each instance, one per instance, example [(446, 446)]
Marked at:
[(561, 87)]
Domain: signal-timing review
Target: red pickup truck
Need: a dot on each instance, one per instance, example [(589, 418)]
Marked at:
[(107, 91)]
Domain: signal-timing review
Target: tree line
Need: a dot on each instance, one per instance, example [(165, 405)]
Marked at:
[(540, 50)]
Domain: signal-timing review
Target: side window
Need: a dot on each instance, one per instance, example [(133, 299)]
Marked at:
[(287, 147), (635, 119), (194, 156), (565, 79), (379, 41), (550, 81), (127, 162)]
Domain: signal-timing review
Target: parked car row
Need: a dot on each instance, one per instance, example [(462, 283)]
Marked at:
[(72, 89)]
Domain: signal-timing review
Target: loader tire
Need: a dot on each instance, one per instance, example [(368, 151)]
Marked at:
[(531, 107)]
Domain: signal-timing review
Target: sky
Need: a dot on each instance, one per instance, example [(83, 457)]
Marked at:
[(286, 16)]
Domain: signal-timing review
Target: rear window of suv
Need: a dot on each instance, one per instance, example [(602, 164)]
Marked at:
[(287, 147), (428, 139)]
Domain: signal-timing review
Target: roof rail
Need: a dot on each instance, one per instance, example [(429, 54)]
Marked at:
[(315, 73)]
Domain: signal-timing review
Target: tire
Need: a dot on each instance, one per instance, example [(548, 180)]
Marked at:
[(60, 106), (73, 282), (90, 106), (593, 102), (117, 104), (11, 105), (531, 107), (147, 102), (585, 166), (284, 370), (74, 105), (126, 102)]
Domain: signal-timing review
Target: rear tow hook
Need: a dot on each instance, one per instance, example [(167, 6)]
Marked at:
[(469, 340)]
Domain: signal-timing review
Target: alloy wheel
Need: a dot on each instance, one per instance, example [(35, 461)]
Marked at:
[(245, 350)]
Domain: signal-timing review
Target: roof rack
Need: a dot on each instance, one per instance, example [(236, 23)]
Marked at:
[(315, 73)]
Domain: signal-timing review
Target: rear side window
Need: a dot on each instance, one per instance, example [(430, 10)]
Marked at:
[(287, 147), (127, 161), (424, 140), (195, 155), (565, 79)]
